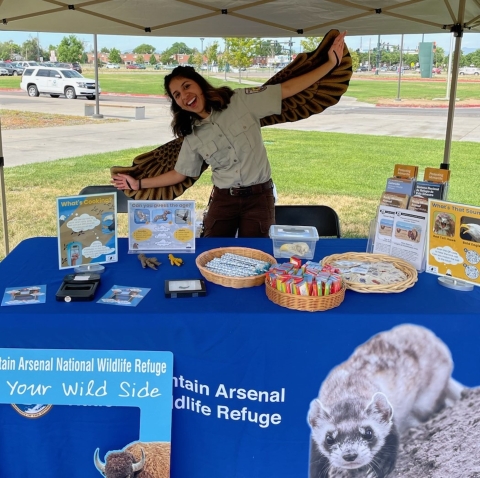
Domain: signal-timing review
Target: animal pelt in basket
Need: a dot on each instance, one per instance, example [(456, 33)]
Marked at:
[(313, 100)]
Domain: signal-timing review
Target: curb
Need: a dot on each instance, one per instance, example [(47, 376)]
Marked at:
[(406, 105), (378, 105), (106, 93)]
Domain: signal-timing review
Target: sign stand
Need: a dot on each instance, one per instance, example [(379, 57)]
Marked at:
[(456, 284)]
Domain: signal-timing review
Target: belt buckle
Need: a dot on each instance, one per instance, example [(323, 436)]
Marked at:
[(232, 191)]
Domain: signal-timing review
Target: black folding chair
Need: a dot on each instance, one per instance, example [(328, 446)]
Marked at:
[(122, 200), (324, 218)]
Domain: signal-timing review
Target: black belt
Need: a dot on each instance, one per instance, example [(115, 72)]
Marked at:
[(246, 190)]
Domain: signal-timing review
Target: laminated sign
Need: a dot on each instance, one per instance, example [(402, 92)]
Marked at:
[(161, 226), (454, 241)]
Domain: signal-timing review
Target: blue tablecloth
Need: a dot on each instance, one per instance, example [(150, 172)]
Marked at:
[(224, 344)]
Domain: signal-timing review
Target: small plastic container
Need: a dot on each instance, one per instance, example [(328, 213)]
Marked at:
[(291, 241)]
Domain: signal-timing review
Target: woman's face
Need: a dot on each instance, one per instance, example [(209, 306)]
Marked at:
[(188, 95)]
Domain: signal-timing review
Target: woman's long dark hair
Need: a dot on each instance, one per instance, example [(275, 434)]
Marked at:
[(216, 99)]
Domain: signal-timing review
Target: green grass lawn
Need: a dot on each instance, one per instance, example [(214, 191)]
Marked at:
[(136, 82), (345, 171), (368, 90)]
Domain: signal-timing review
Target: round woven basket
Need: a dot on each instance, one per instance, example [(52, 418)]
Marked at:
[(404, 266), (303, 302), (227, 281)]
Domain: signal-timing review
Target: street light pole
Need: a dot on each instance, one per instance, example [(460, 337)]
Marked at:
[(378, 56)]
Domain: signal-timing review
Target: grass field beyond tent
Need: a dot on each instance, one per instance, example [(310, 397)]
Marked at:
[(347, 172)]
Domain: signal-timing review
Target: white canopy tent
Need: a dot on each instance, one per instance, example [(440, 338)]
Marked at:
[(245, 18)]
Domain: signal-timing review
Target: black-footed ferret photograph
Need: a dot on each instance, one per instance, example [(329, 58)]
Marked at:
[(396, 380)]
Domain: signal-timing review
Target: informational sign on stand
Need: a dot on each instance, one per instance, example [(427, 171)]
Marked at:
[(453, 248), (87, 232), (161, 226)]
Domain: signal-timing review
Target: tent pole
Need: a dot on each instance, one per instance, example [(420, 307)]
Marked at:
[(457, 30), (3, 197), (95, 62)]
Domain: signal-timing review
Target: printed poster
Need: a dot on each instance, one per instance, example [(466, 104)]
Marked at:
[(161, 226), (453, 247), (37, 381), (87, 231)]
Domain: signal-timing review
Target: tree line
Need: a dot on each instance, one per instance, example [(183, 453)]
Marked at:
[(235, 52)]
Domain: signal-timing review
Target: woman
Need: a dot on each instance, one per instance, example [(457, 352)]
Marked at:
[(221, 126)]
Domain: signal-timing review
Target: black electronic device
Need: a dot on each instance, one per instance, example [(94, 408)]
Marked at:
[(175, 289), (78, 287)]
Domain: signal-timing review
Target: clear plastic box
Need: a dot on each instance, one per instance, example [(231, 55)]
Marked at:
[(297, 241)]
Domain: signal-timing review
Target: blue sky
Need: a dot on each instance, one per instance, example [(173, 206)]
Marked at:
[(127, 43)]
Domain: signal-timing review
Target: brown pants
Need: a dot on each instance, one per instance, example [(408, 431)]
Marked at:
[(251, 215)]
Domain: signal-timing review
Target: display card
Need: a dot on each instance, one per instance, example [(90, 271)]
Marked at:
[(27, 295), (453, 247), (124, 295), (87, 231), (161, 226)]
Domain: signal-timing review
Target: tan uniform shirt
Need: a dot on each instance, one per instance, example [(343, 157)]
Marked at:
[(230, 141)]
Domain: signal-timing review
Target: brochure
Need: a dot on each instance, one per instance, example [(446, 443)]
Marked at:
[(161, 226), (409, 237), (87, 232), (453, 247), (383, 230), (28, 295), (122, 295)]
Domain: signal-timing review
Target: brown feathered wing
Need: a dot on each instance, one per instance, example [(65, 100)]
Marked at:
[(313, 100)]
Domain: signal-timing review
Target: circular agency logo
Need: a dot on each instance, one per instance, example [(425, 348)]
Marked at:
[(32, 411)]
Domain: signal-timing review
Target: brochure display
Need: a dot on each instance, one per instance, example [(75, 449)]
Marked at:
[(453, 248), (161, 226), (87, 232)]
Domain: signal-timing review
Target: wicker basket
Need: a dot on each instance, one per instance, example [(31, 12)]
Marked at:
[(404, 266), (303, 302), (235, 282)]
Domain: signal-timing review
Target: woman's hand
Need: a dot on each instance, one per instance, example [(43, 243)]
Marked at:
[(124, 181), (335, 53)]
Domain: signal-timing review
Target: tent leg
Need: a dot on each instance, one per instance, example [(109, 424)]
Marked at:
[(457, 30), (3, 198)]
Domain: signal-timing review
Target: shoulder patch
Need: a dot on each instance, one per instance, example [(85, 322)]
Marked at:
[(255, 89)]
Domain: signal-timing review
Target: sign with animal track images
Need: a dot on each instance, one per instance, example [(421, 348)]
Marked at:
[(87, 232), (453, 247), (161, 226)]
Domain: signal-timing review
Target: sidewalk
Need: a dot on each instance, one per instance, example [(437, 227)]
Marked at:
[(349, 116)]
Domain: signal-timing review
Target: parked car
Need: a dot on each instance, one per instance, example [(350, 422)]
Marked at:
[(72, 66), (12, 70), (113, 66), (362, 68), (436, 70), (56, 82), (132, 66), (3, 72), (141, 66), (25, 64), (469, 70)]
